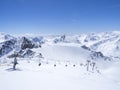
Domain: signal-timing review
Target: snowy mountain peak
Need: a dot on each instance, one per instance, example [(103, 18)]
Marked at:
[(107, 43), (5, 37)]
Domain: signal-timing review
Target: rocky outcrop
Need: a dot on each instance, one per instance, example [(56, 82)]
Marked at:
[(7, 47), (26, 43)]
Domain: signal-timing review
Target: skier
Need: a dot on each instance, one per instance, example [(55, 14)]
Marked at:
[(40, 56), (15, 63)]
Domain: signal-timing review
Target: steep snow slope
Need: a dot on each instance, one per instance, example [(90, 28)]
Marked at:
[(108, 44), (110, 48)]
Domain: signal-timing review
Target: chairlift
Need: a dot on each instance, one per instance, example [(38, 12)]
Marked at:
[(74, 65), (54, 65)]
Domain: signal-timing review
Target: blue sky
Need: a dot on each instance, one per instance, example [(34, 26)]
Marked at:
[(59, 16)]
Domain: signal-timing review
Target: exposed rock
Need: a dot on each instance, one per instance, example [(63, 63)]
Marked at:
[(6, 47), (85, 47), (26, 43)]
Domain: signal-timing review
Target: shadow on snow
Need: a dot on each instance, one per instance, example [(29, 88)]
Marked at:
[(11, 69)]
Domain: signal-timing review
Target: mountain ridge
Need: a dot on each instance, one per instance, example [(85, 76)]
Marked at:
[(105, 43)]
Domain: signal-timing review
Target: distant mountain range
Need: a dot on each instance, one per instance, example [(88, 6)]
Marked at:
[(105, 45)]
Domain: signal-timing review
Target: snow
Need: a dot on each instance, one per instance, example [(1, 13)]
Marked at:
[(30, 76), (4, 37), (64, 54)]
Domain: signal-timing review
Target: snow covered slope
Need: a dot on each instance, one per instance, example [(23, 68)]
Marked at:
[(108, 43), (5, 37), (30, 76), (68, 62)]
